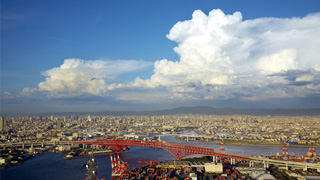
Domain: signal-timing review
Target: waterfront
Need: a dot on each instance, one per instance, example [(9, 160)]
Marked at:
[(52, 166)]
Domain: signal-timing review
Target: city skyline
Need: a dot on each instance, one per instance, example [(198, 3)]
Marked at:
[(152, 55)]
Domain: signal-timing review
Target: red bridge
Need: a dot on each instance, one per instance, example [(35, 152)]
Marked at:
[(178, 150)]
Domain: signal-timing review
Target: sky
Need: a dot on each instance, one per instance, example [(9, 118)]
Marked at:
[(120, 55)]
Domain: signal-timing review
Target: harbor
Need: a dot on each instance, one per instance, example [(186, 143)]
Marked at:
[(49, 163)]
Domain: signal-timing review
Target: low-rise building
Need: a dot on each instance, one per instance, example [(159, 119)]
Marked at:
[(213, 167)]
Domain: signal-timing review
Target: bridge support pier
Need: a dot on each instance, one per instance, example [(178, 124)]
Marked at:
[(232, 161), (22, 146), (251, 164), (42, 145), (214, 159), (265, 164), (287, 167), (305, 168)]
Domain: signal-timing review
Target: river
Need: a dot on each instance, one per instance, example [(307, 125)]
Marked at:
[(51, 165)]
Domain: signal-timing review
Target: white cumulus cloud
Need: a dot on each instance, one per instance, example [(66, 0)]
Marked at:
[(223, 56), (76, 76)]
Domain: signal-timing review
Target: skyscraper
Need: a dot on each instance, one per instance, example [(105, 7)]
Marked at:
[(1, 123), (59, 124)]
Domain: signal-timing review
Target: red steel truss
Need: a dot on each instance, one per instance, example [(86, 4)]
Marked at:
[(178, 150)]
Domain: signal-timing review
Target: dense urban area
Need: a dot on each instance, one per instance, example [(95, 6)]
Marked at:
[(237, 128), (56, 133)]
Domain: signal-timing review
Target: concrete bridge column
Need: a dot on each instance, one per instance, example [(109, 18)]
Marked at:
[(42, 145), (187, 138), (232, 161), (251, 164), (287, 167), (23, 146), (31, 150), (305, 168), (265, 164), (214, 159)]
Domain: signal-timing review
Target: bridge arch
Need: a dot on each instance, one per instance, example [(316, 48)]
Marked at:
[(178, 150)]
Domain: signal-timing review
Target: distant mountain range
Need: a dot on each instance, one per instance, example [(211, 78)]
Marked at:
[(205, 110)]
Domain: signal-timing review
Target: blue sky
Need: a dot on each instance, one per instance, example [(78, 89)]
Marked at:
[(119, 55)]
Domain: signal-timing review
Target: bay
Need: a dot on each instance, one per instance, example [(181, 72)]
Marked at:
[(51, 166)]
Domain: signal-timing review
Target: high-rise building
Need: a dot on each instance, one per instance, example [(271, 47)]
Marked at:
[(59, 124), (1, 123)]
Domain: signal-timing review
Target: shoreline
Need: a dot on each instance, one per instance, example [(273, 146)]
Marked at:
[(261, 144), (246, 143)]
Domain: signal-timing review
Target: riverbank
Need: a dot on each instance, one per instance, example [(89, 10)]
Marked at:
[(246, 143), (81, 154)]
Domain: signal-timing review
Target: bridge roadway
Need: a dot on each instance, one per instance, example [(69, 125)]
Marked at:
[(34, 144), (179, 151), (285, 163)]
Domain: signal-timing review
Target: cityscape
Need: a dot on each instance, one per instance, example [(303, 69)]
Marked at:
[(58, 134), (160, 90), (236, 128)]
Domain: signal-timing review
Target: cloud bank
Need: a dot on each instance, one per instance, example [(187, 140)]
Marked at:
[(221, 57), (77, 77)]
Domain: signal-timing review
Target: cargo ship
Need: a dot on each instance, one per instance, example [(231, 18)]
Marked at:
[(297, 143)]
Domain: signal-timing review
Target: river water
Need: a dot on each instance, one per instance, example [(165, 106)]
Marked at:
[(51, 165)]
